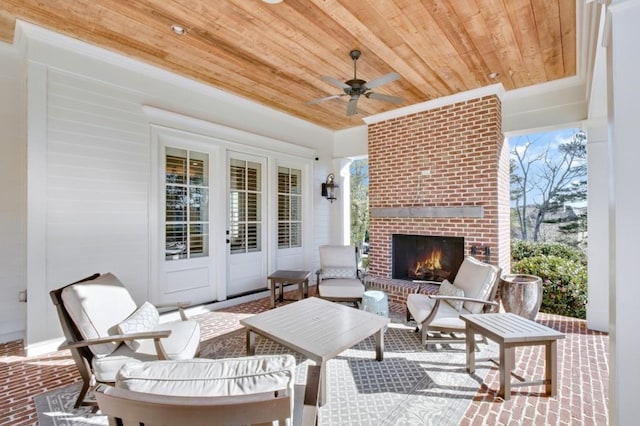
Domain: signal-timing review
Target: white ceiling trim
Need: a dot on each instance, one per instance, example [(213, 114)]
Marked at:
[(494, 89)]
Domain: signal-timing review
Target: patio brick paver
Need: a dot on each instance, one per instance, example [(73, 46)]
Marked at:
[(583, 371)]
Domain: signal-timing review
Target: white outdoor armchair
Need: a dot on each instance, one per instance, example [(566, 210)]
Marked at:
[(104, 329), (338, 278), (472, 292)]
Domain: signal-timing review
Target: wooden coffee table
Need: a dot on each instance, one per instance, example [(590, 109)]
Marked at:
[(317, 329), (510, 331)]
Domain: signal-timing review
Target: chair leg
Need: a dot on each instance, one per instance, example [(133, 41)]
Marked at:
[(82, 394)]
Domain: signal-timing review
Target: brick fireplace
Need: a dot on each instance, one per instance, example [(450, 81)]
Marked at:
[(444, 171)]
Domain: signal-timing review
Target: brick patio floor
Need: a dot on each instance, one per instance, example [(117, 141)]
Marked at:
[(583, 369)]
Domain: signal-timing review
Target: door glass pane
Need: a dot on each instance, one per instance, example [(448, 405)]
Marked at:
[(254, 242), (238, 207), (176, 242), (199, 240), (296, 180), (296, 234), (283, 207), (283, 235), (176, 204), (176, 166), (296, 208), (254, 172), (283, 180), (199, 169), (237, 178), (253, 207), (237, 238), (199, 205)]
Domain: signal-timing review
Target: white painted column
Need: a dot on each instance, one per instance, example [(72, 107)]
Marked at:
[(624, 220), (598, 230), (345, 198)]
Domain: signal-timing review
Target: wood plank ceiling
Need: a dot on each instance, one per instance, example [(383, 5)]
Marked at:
[(276, 54)]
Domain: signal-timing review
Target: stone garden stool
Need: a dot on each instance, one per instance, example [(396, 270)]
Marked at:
[(376, 302)]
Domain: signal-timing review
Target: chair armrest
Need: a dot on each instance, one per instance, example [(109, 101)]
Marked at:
[(462, 299), (421, 282), (156, 335), (362, 276), (179, 305)]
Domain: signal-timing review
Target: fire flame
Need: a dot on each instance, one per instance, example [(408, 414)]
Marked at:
[(431, 262)]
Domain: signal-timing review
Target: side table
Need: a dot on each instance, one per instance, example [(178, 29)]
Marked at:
[(282, 277), (510, 331)]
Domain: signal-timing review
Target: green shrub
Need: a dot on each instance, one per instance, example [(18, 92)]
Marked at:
[(524, 249), (564, 283)]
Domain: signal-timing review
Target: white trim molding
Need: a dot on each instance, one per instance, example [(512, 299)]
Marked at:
[(494, 89)]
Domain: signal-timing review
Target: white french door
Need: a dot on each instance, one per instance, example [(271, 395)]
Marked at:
[(246, 223), (187, 215)]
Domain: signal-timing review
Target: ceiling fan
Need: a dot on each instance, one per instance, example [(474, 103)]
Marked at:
[(356, 87)]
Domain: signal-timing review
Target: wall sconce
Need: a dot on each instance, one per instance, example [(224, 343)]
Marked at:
[(329, 188)]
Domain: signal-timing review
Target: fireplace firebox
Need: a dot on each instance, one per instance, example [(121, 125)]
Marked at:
[(426, 257)]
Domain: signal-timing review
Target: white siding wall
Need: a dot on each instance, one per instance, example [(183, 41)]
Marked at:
[(97, 185), (12, 194)]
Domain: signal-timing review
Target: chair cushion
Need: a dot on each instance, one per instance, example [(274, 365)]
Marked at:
[(341, 287), (145, 318), (475, 278), (183, 343), (420, 305), (96, 306), (338, 256), (448, 289), (205, 377)]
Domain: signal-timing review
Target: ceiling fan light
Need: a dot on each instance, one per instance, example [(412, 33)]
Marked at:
[(272, 1)]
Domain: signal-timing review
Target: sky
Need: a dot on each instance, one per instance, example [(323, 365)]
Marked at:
[(539, 143)]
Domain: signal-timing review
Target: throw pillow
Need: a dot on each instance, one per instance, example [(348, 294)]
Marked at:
[(338, 272), (145, 318), (448, 289)]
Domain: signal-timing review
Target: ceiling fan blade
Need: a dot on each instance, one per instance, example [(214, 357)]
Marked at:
[(326, 98), (387, 78), (385, 98), (335, 82), (352, 107)]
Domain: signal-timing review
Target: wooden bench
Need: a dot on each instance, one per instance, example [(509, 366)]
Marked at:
[(510, 331)]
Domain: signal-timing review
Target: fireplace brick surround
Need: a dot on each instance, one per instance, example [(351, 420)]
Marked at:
[(443, 171)]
